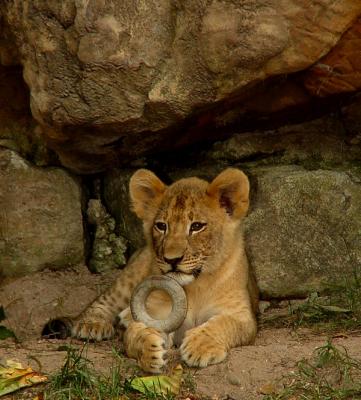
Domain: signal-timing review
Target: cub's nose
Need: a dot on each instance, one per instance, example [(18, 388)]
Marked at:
[(173, 262)]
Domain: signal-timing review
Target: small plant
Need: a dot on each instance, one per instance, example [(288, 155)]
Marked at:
[(339, 308), (331, 375), (189, 381), (78, 380), (75, 380), (328, 311)]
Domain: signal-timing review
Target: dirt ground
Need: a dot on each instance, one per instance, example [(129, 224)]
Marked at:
[(244, 374), (30, 302)]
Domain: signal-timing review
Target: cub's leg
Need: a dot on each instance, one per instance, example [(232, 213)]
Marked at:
[(97, 321), (148, 345), (210, 342)]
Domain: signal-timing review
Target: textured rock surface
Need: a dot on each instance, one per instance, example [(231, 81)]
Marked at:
[(108, 249), (322, 141), (31, 301), (40, 217), (18, 129), (340, 70), (107, 79), (304, 230)]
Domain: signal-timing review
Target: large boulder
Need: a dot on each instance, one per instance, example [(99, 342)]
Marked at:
[(304, 230), (108, 80), (40, 217)]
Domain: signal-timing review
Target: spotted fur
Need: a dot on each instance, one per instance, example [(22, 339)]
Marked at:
[(193, 231)]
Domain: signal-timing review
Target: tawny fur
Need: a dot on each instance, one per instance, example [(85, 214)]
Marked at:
[(193, 232)]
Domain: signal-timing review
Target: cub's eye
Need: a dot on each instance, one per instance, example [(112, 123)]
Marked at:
[(197, 226), (161, 226)]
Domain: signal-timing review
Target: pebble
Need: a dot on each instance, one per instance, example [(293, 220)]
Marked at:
[(233, 379)]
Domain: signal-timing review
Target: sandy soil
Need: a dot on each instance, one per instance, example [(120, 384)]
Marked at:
[(29, 303), (243, 375)]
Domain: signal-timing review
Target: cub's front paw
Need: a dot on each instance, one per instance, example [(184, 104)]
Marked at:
[(152, 357), (199, 350), (92, 329), (147, 345)]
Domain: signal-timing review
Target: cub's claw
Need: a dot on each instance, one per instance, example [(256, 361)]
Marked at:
[(147, 345), (92, 330), (199, 350), (153, 353)]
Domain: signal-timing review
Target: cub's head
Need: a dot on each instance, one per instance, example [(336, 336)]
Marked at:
[(192, 225)]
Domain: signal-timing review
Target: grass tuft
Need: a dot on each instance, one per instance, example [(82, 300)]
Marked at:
[(330, 375), (78, 380), (338, 309), (75, 380)]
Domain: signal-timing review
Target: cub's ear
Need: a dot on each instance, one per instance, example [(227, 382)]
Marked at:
[(146, 192), (231, 189)]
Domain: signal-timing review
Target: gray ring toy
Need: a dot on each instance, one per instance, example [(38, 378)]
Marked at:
[(175, 291)]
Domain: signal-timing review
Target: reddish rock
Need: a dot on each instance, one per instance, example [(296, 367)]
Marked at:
[(340, 70)]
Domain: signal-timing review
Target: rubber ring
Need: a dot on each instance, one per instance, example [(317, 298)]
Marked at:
[(176, 293)]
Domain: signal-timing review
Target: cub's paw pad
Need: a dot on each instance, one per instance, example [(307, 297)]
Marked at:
[(92, 330), (152, 357), (198, 350)]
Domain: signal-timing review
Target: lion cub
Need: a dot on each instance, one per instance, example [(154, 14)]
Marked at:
[(193, 234)]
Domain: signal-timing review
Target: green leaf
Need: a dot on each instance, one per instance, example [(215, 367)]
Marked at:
[(161, 384), (335, 309)]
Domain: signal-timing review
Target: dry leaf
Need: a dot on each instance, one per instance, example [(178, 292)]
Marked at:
[(13, 377)]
